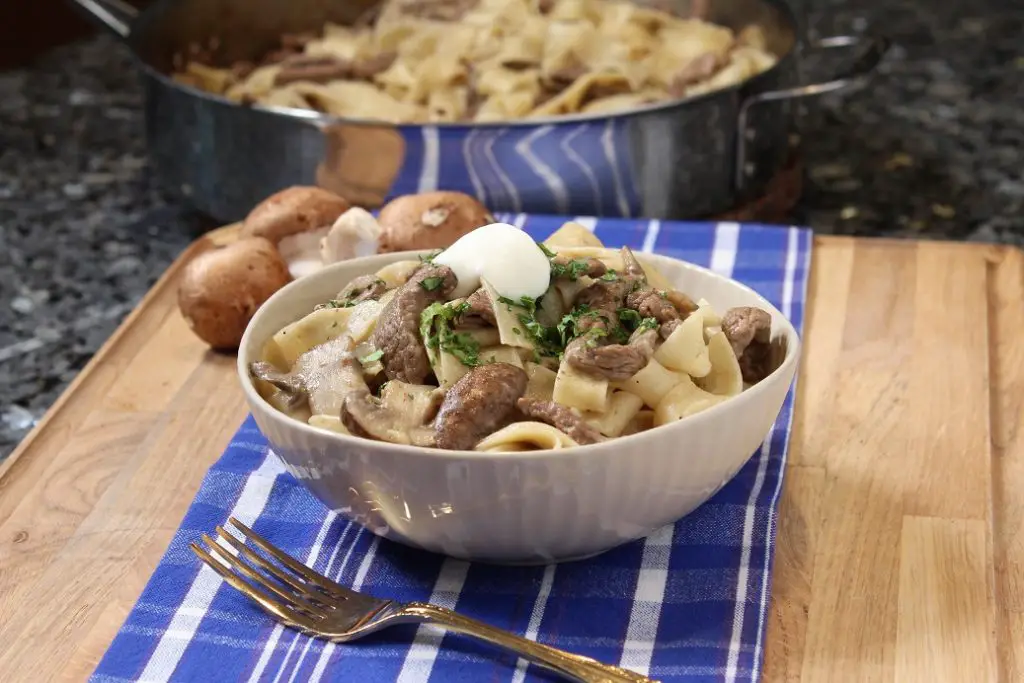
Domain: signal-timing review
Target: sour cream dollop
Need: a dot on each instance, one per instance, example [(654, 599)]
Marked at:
[(503, 255)]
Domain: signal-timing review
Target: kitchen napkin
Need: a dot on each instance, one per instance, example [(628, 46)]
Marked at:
[(688, 603)]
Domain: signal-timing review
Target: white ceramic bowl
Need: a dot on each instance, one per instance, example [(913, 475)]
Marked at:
[(522, 508)]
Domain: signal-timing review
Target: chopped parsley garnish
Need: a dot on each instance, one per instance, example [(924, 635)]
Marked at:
[(431, 283), (429, 258), (610, 276), (545, 339), (372, 357), (335, 303), (569, 327), (524, 302), (436, 329), (629, 318), (573, 269), (464, 347), (547, 252), (632, 321)]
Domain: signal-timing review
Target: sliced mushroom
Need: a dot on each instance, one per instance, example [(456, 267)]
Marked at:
[(323, 376), (331, 372), (367, 416), (362, 288), (292, 387)]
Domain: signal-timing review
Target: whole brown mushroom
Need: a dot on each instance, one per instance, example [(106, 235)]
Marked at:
[(430, 220), (221, 289), (295, 220)]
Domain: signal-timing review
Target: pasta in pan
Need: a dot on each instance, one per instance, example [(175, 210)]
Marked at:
[(399, 357), (423, 61)]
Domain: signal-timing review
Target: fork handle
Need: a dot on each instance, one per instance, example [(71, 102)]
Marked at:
[(571, 666)]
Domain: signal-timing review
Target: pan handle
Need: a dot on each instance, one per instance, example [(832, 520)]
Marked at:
[(115, 16), (854, 75)]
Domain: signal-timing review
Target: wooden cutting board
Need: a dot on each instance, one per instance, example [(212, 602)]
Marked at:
[(901, 534)]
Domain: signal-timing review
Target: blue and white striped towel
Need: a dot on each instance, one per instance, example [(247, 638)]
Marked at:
[(686, 604)]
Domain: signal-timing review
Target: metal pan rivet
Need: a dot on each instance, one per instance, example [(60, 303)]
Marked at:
[(750, 134), (748, 168)]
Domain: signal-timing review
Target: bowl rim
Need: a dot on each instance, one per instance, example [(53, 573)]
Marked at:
[(748, 396)]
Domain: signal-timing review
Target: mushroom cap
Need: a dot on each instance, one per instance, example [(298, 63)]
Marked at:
[(293, 210), (220, 290), (430, 220)]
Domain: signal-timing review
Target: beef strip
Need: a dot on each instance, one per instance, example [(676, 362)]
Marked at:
[(564, 267), (668, 308), (397, 334), (684, 304), (749, 330), (312, 70), (615, 362), (603, 298), (651, 303), (590, 351), (241, 69), (560, 417), (437, 10), (297, 41), (480, 312), (478, 404), (565, 75), (366, 69)]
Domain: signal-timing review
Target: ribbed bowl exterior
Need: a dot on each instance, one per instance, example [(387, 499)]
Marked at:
[(523, 508)]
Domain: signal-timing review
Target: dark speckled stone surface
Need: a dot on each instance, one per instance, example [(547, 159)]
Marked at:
[(934, 148)]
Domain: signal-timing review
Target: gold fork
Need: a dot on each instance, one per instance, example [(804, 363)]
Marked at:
[(313, 604)]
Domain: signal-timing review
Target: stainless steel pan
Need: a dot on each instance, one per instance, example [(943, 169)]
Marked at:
[(688, 158)]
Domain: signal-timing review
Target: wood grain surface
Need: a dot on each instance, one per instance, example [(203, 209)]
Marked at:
[(901, 533)]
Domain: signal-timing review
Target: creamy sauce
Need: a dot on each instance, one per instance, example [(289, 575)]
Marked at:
[(502, 254)]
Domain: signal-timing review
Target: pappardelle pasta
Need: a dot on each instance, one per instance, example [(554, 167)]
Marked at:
[(419, 61), (607, 349)]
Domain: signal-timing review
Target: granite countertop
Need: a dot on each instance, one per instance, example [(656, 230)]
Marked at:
[(933, 148)]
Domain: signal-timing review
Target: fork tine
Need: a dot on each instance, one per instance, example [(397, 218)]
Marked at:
[(310, 576), (302, 588), (276, 609), (242, 567)]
